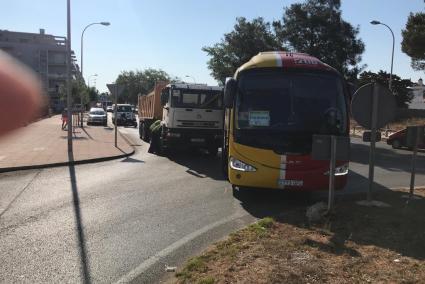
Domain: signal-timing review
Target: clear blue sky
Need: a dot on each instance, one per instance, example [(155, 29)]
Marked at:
[(170, 34)]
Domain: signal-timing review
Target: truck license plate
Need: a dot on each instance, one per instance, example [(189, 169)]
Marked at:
[(289, 182), (197, 140)]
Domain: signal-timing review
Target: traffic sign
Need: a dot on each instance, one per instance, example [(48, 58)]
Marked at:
[(116, 89), (362, 105)]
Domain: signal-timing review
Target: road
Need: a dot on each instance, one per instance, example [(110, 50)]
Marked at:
[(126, 219)]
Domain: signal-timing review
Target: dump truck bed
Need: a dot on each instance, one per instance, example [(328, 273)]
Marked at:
[(150, 105)]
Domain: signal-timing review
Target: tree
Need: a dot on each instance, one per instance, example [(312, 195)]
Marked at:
[(93, 94), (413, 43), (79, 92), (399, 86), (237, 47), (316, 27), (139, 82)]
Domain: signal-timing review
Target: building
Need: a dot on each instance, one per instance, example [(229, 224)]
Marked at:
[(418, 91), (46, 55)]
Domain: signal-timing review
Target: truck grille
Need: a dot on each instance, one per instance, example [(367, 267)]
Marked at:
[(195, 123)]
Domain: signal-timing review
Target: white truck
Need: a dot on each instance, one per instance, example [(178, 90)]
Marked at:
[(191, 115)]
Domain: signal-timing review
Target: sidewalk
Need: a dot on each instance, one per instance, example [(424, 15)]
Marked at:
[(43, 144)]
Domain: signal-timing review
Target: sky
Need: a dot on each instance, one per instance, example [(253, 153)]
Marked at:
[(170, 34)]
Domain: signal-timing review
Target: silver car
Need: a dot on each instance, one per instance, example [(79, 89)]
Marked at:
[(97, 116)]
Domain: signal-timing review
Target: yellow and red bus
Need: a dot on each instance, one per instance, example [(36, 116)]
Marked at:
[(275, 103)]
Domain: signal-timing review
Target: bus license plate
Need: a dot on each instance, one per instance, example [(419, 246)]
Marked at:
[(197, 140), (290, 182)]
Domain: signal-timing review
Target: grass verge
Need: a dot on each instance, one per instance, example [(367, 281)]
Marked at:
[(356, 244)]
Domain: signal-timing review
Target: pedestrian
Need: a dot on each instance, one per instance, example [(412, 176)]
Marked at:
[(64, 118), (155, 130)]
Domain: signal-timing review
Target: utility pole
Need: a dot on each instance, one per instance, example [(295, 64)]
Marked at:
[(68, 76)]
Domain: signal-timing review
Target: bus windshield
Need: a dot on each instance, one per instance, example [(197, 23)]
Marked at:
[(187, 98), (291, 102)]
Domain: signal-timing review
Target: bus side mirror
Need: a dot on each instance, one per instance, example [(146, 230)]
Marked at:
[(164, 97), (229, 92)]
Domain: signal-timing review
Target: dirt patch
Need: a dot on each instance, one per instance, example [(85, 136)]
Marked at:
[(355, 244), (391, 127)]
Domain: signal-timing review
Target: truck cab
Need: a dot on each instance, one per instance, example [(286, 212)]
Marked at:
[(192, 116)]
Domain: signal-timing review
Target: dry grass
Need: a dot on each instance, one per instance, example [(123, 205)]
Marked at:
[(408, 122), (396, 126), (356, 245)]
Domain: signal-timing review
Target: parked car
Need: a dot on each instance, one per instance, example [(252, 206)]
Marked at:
[(125, 115), (97, 116), (109, 109), (398, 140)]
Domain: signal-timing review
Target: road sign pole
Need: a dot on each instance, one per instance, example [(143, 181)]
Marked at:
[(374, 120), (413, 173), (115, 111), (332, 166)]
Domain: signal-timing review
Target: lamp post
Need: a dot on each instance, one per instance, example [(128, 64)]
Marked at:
[(88, 79), (82, 39), (392, 54), (187, 76), (68, 75)]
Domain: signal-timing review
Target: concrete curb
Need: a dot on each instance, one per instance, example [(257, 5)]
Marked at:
[(62, 164)]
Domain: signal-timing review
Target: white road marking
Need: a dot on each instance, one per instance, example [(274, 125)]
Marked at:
[(144, 266)]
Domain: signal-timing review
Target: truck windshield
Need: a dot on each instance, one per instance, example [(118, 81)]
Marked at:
[(186, 98), (124, 109), (291, 102)]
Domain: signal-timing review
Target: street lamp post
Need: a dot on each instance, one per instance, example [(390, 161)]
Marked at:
[(88, 79), (82, 39), (392, 54), (68, 75), (194, 81)]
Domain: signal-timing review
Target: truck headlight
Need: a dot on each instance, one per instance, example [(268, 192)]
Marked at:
[(339, 171), (240, 166), (172, 134)]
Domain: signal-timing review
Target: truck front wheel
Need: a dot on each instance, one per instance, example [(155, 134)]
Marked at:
[(141, 131), (144, 132)]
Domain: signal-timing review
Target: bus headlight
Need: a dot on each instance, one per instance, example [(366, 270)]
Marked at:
[(339, 171), (240, 166)]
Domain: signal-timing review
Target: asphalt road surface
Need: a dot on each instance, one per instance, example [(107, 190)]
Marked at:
[(124, 220)]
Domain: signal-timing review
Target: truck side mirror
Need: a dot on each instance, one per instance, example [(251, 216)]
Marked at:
[(229, 92), (164, 97), (351, 90)]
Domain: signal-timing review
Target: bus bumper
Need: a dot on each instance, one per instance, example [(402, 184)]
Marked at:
[(296, 180)]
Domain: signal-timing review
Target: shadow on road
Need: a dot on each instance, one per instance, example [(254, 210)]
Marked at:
[(199, 164), (85, 267), (131, 160), (387, 158)]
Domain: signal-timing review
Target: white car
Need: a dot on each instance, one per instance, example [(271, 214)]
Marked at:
[(125, 115), (97, 116), (109, 109)]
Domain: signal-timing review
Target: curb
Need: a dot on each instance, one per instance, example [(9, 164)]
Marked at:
[(61, 164), (80, 162)]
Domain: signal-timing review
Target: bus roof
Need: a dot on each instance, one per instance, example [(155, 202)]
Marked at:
[(195, 86), (283, 59)]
